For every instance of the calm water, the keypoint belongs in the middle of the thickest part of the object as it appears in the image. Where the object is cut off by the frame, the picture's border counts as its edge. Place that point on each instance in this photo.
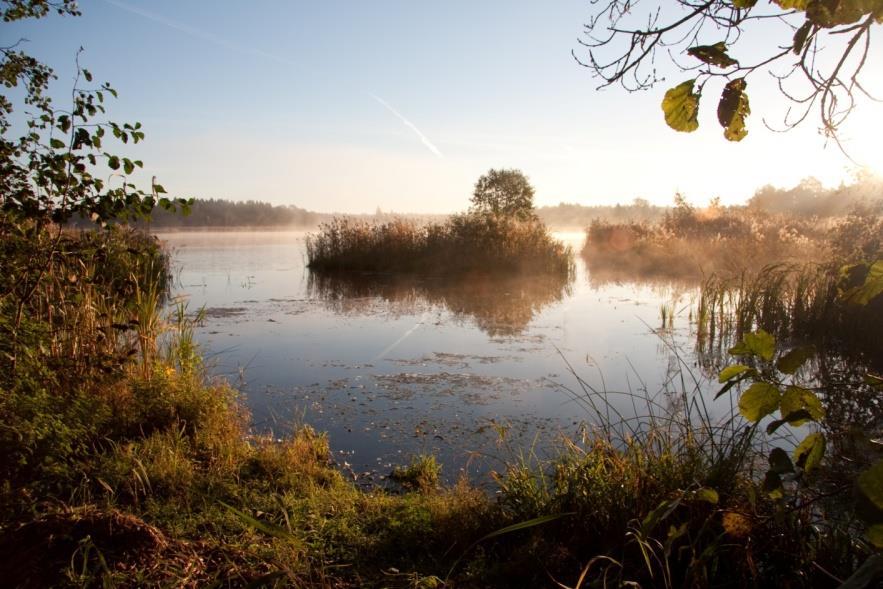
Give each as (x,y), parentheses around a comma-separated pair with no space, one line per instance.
(471,371)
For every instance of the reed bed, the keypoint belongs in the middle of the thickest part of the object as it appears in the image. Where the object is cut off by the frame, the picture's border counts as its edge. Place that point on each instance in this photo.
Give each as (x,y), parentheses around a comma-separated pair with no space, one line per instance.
(800,303)
(469,243)
(689,243)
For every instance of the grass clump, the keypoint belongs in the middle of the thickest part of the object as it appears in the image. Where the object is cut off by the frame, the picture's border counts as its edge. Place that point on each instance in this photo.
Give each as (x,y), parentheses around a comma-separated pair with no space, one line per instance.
(422,474)
(467,243)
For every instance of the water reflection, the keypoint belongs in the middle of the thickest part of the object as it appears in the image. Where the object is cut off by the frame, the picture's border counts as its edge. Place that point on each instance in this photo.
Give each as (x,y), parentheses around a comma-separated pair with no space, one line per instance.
(498,305)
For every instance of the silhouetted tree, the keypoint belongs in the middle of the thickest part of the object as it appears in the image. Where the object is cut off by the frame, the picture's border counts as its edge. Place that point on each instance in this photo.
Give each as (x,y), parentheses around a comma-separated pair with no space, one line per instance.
(504,192)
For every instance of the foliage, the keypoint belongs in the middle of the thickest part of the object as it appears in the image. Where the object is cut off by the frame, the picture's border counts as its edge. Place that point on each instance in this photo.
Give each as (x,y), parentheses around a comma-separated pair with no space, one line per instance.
(54,169)
(690,242)
(504,192)
(470,243)
(823,45)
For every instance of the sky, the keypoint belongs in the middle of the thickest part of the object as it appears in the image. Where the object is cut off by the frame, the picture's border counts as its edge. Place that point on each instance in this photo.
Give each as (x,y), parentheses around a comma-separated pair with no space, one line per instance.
(350,106)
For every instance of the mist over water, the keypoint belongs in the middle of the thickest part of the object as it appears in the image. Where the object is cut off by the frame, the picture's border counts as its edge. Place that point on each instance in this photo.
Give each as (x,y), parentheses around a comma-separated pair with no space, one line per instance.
(470,370)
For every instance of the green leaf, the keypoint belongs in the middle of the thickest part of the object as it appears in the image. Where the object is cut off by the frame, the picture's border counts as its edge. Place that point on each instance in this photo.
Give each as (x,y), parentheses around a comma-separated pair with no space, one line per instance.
(56,143)
(662,511)
(681,107)
(793,360)
(792,4)
(758,401)
(875,535)
(733,109)
(808,455)
(760,344)
(713,54)
(870,483)
(128,165)
(794,418)
(113,162)
(871,288)
(265,527)
(157,188)
(732,371)
(779,462)
(744,3)
(797,399)
(708,495)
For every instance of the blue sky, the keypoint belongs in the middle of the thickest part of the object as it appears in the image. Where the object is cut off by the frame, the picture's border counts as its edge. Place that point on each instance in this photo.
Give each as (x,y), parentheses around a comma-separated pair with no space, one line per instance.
(349,106)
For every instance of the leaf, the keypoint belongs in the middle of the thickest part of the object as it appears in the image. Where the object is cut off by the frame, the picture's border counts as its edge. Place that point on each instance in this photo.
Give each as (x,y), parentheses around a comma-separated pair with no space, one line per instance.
(56,143)
(662,511)
(708,495)
(265,527)
(772,484)
(797,399)
(793,360)
(732,371)
(870,483)
(829,14)
(113,162)
(759,343)
(681,107)
(758,401)
(800,37)
(713,54)
(792,4)
(794,418)
(128,165)
(810,452)
(871,288)
(779,462)
(537,521)
(744,3)
(733,109)
(875,535)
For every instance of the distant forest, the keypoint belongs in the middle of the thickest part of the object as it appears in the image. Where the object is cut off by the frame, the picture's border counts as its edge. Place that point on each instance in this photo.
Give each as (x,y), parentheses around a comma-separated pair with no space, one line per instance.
(808,199)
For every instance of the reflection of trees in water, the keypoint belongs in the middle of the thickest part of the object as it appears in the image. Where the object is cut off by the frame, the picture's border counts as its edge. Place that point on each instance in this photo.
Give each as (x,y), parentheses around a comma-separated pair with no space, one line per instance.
(499,305)
(601,275)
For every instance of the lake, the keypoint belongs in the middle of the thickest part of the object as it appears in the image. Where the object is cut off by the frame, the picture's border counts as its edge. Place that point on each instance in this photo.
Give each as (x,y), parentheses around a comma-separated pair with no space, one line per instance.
(474,371)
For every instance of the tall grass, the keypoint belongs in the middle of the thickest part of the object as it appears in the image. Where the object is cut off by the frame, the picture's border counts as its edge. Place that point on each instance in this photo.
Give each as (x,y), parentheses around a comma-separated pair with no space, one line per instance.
(470,243)
(690,243)
(799,303)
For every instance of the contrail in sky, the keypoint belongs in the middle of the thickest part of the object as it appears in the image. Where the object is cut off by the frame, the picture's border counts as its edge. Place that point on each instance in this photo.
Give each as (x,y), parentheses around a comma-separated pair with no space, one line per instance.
(214,39)
(199,34)
(423,138)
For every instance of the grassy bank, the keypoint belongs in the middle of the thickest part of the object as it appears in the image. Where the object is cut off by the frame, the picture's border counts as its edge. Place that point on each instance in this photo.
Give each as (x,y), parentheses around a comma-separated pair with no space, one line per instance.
(124,465)
(693,243)
(469,243)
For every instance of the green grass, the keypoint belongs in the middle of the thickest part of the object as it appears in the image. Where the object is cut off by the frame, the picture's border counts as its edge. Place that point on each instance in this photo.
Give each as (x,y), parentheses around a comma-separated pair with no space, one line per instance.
(470,243)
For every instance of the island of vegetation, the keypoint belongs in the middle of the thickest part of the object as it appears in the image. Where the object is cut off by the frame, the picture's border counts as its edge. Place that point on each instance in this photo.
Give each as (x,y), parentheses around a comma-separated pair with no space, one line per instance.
(124,464)
(500,233)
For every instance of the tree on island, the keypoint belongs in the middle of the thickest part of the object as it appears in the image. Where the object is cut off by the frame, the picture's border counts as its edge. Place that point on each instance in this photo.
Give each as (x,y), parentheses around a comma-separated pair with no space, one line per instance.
(505,193)
(823,46)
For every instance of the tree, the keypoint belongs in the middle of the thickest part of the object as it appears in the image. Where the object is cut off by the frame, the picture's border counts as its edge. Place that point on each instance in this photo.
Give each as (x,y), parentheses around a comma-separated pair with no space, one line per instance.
(504,192)
(58,166)
(823,45)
